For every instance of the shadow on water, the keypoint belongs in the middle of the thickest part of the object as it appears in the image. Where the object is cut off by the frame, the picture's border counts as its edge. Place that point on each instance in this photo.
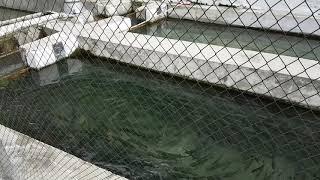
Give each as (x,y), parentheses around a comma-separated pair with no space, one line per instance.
(143,125)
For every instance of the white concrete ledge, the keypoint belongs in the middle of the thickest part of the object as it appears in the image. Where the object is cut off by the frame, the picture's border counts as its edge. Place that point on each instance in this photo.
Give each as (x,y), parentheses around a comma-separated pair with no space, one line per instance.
(46,51)
(283,77)
(8,29)
(108,7)
(36,160)
(271,20)
(24,18)
(49,50)
(105,26)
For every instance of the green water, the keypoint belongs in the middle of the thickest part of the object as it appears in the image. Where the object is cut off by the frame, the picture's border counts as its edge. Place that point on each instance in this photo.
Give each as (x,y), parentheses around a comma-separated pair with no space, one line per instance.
(248,39)
(144,125)
(6,13)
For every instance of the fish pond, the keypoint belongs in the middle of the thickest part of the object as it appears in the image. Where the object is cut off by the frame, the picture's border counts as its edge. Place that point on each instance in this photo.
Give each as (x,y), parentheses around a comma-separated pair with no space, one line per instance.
(146,125)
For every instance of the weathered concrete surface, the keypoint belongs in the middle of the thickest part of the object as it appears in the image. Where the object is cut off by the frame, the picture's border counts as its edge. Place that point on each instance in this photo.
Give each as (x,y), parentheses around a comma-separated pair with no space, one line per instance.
(76,8)
(283,77)
(29,35)
(20,37)
(33,159)
(273,20)
(48,50)
(11,28)
(109,25)
(34,5)
(108,7)
(303,7)
(53,74)
(152,11)
(19,19)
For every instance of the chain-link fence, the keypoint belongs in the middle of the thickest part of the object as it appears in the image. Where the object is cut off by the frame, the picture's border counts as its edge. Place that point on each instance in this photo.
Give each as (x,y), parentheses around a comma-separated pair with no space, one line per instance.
(150,89)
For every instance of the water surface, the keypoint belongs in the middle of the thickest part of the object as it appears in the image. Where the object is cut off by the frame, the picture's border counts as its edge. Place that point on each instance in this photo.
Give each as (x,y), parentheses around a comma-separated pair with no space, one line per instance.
(143,125)
(7,13)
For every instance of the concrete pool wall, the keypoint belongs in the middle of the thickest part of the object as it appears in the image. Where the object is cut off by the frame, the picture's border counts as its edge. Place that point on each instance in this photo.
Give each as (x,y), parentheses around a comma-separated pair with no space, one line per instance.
(293,79)
(283,77)
(253,18)
(23,157)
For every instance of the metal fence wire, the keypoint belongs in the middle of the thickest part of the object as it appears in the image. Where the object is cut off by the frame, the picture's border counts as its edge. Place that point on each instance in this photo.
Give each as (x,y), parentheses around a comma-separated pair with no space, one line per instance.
(160,89)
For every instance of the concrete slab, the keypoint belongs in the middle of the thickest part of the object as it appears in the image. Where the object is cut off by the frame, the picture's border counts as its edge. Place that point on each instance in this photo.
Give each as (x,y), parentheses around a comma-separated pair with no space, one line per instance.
(19,19)
(108,7)
(28,158)
(301,7)
(271,20)
(111,25)
(288,78)
(48,50)
(152,11)
(76,8)
(11,28)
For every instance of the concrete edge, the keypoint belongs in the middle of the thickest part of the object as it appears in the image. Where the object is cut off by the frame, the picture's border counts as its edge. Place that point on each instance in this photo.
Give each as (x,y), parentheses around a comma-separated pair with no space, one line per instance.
(166,57)
(287,65)
(254,18)
(37,160)
(4,30)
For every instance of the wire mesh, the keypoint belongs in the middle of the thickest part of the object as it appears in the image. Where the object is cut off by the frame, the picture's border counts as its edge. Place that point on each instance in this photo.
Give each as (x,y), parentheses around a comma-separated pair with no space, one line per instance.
(150,89)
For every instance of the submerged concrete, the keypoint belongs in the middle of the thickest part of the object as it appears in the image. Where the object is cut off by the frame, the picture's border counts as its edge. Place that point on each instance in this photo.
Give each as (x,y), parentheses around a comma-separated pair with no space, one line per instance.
(10,63)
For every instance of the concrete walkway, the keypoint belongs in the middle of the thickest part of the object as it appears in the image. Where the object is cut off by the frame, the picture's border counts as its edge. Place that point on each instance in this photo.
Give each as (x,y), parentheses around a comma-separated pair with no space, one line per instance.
(26,158)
